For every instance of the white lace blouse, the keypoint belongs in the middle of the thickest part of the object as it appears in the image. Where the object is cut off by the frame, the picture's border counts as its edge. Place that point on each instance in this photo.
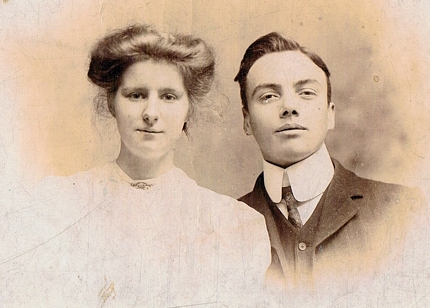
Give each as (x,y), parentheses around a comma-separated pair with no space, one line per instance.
(99,239)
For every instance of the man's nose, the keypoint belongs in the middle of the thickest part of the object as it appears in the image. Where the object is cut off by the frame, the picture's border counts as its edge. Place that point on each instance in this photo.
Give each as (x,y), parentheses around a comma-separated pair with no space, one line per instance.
(289,107)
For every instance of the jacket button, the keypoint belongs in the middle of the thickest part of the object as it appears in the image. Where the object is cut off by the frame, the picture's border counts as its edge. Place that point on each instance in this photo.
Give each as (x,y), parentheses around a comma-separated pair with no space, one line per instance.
(302,246)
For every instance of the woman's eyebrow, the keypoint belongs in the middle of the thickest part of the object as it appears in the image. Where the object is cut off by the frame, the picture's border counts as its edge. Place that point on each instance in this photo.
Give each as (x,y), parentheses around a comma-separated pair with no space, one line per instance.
(126,89)
(168,89)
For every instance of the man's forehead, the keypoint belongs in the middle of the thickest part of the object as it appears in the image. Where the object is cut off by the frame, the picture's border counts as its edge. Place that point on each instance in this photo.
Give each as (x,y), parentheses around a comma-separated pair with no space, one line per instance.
(285,65)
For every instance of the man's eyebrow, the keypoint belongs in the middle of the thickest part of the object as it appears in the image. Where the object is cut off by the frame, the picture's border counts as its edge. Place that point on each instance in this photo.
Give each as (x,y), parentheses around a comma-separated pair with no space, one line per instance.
(302,82)
(273,86)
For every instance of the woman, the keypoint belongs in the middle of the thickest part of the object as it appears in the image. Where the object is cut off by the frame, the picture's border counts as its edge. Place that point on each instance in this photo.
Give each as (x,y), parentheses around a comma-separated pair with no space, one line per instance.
(138,231)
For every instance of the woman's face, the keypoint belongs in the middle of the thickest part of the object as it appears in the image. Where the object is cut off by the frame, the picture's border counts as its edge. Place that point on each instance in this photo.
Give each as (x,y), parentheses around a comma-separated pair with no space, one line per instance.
(151,106)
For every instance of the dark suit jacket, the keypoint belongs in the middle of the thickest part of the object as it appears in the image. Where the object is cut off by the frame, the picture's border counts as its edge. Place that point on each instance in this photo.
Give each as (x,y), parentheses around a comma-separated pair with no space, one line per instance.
(357,226)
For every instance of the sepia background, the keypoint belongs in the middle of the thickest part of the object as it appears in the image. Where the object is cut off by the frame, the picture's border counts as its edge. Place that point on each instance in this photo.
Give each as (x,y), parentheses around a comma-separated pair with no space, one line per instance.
(377,52)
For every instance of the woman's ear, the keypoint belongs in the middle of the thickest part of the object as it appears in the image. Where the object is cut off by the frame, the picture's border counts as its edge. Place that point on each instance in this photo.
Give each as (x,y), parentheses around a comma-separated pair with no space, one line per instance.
(185,128)
(110,104)
(111,110)
(187,118)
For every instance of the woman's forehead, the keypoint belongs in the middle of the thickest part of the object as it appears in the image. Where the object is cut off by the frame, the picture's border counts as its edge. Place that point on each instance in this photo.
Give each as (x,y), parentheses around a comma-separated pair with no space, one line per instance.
(152,73)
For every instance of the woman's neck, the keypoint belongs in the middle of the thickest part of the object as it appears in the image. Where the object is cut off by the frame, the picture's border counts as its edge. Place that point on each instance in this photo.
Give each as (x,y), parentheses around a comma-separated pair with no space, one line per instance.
(139,168)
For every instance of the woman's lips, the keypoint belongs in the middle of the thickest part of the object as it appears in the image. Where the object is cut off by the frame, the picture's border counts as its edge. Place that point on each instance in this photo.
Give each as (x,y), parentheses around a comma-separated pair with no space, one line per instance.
(150,131)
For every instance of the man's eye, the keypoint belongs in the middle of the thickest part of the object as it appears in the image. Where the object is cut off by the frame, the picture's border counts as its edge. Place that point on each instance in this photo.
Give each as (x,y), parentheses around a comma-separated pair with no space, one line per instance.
(169,97)
(268,97)
(307,94)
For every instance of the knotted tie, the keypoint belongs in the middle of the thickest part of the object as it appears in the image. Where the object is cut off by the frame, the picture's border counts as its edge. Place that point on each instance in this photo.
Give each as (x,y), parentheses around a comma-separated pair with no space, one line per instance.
(293,213)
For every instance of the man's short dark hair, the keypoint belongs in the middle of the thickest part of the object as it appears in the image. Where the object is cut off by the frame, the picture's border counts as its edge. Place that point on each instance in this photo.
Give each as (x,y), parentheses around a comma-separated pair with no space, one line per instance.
(270,43)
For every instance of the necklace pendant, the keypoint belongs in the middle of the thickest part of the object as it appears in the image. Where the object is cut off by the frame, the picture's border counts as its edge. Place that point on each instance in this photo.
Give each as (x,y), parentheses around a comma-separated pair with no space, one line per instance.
(141,185)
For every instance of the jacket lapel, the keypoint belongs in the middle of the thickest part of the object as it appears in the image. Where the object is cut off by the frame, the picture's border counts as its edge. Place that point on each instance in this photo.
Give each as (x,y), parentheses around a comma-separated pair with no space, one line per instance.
(259,201)
(340,203)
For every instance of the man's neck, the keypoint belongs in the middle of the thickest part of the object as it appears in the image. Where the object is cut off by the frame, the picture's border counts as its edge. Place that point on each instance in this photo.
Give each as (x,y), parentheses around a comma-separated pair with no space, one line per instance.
(307,178)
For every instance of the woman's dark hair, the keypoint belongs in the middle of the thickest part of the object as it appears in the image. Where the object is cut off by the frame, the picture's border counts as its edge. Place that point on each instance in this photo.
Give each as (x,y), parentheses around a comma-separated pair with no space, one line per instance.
(114,53)
(270,43)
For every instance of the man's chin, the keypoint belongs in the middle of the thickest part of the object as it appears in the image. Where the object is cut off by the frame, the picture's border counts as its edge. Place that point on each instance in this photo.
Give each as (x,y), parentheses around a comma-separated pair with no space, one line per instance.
(288,159)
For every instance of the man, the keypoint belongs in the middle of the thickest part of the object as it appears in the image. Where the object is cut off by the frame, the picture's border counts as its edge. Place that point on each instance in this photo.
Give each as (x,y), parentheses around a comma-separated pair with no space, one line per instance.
(328,222)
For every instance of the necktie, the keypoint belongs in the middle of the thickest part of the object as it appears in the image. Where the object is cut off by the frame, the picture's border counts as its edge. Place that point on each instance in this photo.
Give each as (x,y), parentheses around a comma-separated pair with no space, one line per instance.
(293,213)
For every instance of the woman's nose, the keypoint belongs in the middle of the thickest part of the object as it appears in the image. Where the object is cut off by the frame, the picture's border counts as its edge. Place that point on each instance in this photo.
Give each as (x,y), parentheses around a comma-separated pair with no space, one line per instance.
(151,113)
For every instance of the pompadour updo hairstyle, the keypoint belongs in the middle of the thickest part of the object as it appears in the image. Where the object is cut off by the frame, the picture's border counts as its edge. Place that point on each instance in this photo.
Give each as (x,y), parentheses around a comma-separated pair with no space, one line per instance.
(117,51)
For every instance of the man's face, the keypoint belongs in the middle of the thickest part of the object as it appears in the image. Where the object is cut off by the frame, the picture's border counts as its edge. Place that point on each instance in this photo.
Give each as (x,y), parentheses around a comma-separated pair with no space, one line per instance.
(288,112)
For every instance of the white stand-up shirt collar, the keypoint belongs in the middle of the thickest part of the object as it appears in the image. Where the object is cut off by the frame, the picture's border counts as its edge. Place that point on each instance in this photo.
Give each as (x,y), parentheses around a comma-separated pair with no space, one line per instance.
(119,173)
(308,178)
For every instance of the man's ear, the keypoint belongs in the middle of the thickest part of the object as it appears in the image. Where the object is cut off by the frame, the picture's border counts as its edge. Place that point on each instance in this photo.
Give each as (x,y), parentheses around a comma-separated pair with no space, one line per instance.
(331,116)
(246,122)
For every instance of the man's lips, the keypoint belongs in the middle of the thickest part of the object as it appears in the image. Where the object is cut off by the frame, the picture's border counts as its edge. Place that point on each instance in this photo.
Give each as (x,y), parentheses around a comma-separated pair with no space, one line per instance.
(288,127)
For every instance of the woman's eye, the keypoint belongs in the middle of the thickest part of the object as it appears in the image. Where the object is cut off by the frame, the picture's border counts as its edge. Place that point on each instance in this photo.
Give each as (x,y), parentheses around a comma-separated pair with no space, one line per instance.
(169,97)
(135,96)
